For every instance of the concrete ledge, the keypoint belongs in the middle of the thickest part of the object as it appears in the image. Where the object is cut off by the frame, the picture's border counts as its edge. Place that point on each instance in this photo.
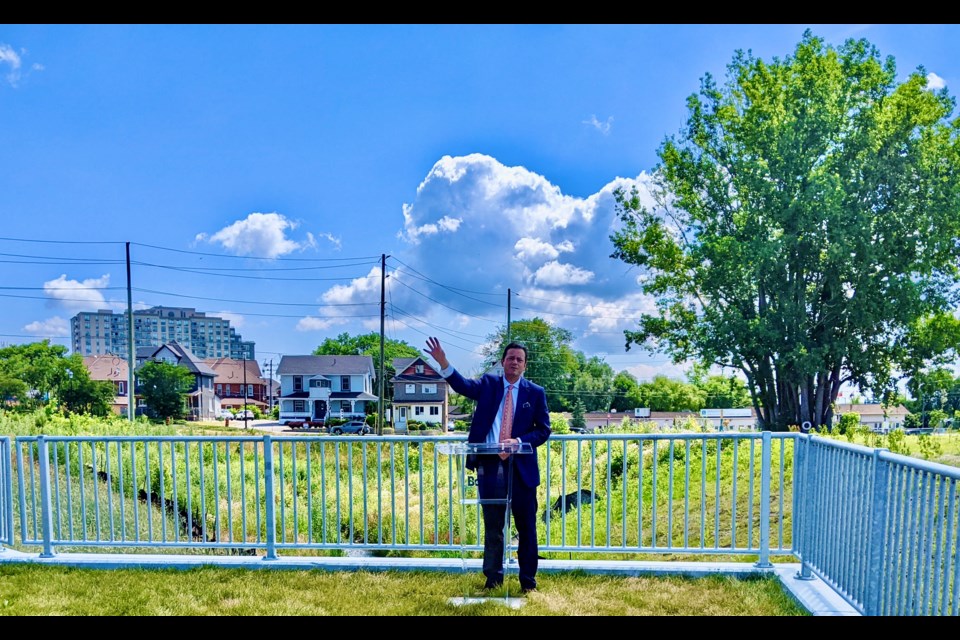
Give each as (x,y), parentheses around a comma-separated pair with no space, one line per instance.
(815,595)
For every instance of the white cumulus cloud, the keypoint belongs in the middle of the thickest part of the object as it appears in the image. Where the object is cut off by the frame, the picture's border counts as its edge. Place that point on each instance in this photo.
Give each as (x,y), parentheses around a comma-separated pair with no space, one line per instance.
(935,82)
(55,326)
(477,229)
(74,294)
(263,235)
(555,274)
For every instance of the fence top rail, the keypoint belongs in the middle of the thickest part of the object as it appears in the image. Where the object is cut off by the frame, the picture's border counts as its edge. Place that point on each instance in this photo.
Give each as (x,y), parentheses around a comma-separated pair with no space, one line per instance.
(603,437)
(140,438)
(888,456)
(821,441)
(711,435)
(922,465)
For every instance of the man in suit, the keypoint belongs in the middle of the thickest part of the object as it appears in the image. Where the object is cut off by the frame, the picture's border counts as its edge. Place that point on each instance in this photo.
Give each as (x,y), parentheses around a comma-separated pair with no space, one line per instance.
(526,420)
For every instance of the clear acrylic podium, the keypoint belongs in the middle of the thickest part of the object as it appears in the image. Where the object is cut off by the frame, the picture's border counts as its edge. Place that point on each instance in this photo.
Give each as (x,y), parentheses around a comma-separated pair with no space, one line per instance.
(466,493)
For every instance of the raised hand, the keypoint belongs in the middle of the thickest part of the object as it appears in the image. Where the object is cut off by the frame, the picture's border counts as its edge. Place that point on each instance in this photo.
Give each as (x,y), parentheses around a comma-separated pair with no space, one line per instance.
(437,352)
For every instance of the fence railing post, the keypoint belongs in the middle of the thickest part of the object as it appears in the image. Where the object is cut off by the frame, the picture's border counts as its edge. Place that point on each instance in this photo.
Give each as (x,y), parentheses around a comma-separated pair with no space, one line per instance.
(271,513)
(766,443)
(878,512)
(6,494)
(802,505)
(46,506)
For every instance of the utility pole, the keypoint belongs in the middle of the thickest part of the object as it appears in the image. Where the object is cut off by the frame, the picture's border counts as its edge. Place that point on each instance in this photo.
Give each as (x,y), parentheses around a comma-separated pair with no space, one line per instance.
(383,309)
(131,347)
(270,392)
(508,316)
(245,425)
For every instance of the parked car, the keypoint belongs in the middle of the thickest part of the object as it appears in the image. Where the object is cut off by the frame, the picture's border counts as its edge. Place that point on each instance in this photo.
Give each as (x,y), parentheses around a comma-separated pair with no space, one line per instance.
(303,423)
(246,413)
(356,427)
(225,414)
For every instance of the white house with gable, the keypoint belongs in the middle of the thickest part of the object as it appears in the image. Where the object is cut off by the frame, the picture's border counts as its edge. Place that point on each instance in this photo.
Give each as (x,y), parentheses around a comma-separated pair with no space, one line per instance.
(313,388)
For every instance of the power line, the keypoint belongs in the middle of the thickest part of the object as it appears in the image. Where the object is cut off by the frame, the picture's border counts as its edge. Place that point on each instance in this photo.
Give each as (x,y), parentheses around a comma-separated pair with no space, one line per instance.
(234,300)
(213,269)
(60,241)
(230,275)
(221,255)
(443,305)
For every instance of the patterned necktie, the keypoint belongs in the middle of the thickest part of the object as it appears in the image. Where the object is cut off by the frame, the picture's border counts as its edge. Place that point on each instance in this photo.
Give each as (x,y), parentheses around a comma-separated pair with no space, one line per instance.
(506,420)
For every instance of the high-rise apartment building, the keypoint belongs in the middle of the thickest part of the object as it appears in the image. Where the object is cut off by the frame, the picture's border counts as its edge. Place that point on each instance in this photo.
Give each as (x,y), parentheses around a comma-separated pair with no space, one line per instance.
(105,332)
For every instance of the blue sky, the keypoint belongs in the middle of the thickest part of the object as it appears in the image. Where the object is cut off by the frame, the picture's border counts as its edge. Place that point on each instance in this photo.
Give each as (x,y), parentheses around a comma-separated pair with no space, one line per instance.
(260,171)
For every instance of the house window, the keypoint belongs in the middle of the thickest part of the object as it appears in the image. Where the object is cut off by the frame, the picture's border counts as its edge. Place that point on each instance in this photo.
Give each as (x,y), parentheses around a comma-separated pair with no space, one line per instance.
(121,388)
(344,383)
(420,369)
(297,383)
(345,406)
(220,390)
(249,390)
(430,389)
(411,388)
(320,383)
(299,406)
(434,411)
(418,411)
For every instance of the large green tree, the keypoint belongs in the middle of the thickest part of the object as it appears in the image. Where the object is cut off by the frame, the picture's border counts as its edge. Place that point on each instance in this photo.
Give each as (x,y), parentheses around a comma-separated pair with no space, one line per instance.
(551,362)
(802,222)
(164,386)
(40,366)
(719,392)
(936,389)
(76,392)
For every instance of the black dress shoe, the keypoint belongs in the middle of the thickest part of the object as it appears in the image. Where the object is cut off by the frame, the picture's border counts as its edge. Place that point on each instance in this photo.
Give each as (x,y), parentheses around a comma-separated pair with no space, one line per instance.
(526,590)
(492,584)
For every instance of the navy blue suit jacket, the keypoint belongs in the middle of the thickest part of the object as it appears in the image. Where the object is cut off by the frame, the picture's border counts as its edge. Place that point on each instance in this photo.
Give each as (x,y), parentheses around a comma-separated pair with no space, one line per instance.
(531,420)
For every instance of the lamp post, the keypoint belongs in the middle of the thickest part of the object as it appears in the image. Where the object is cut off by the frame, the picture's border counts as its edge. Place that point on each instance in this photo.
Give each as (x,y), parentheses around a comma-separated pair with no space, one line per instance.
(245,391)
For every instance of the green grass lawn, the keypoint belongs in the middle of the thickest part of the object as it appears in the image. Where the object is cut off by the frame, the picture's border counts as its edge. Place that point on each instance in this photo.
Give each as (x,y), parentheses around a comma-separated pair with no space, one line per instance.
(32,590)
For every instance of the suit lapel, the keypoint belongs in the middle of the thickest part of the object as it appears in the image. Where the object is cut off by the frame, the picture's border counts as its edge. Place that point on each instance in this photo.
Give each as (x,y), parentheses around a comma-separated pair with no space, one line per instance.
(521,398)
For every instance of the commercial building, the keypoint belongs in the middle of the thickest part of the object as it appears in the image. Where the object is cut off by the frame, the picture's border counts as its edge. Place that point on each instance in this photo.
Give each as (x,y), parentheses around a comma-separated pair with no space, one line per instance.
(104,332)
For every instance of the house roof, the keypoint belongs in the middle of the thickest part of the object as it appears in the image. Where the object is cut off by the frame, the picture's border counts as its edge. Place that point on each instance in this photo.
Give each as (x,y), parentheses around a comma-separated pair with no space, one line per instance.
(326,365)
(230,371)
(400,364)
(407,373)
(871,409)
(184,356)
(106,367)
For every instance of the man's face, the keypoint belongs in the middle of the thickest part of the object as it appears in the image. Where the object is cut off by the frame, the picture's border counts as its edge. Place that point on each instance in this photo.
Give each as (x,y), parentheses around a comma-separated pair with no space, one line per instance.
(514,364)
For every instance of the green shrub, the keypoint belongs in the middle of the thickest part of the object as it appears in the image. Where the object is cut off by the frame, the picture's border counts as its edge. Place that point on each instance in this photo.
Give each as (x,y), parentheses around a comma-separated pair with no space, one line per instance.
(897,441)
(929,446)
(559,424)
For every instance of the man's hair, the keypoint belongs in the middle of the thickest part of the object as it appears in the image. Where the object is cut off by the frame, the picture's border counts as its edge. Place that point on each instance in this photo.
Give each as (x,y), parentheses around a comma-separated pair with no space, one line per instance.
(514,345)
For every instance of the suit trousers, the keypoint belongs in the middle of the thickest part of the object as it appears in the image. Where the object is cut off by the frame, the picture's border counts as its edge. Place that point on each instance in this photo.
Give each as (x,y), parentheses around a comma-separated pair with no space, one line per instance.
(492,485)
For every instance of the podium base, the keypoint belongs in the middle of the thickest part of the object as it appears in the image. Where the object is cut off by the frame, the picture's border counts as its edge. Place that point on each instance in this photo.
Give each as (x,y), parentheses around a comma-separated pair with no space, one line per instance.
(513,603)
